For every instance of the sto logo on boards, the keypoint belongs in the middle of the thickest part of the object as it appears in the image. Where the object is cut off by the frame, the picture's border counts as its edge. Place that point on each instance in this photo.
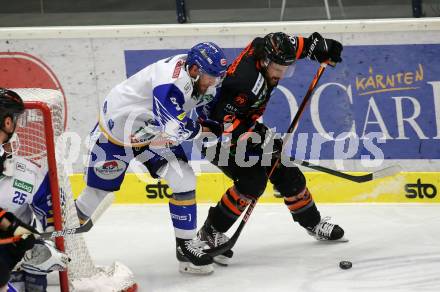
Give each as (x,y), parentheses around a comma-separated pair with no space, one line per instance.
(420,190)
(158,191)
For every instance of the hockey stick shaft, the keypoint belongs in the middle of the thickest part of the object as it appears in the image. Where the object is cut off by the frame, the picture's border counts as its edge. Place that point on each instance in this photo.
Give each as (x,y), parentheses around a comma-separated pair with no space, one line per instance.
(10,240)
(53,234)
(230,244)
(104,205)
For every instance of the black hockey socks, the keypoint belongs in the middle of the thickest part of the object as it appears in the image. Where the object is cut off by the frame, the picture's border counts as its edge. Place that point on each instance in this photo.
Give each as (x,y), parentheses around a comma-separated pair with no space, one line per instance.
(303,209)
(228,210)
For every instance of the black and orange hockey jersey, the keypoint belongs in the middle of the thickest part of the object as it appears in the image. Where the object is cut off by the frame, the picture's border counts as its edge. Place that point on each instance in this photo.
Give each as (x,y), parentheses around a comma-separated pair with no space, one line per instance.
(245,92)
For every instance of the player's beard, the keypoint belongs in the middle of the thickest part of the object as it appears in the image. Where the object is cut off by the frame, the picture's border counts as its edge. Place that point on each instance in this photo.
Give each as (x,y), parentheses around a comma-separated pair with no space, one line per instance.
(271,81)
(195,92)
(199,89)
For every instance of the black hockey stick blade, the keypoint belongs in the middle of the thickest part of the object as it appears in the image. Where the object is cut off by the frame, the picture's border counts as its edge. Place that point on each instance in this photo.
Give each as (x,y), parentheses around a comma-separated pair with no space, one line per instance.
(220,249)
(388,171)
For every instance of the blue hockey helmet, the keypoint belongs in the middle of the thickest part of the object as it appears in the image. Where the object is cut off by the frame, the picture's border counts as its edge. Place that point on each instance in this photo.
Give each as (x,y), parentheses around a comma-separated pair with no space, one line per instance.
(209,57)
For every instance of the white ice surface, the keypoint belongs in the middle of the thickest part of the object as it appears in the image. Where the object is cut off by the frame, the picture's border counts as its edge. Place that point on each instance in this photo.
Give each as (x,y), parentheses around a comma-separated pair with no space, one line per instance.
(392,248)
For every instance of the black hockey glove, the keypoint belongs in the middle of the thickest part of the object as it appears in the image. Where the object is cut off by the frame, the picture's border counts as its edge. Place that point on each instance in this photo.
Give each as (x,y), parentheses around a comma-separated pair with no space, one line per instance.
(212,125)
(26,243)
(321,49)
(17,227)
(267,136)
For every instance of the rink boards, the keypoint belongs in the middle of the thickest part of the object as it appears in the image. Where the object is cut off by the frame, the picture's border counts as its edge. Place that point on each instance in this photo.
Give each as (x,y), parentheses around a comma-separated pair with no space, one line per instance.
(379,107)
(405,187)
(381,103)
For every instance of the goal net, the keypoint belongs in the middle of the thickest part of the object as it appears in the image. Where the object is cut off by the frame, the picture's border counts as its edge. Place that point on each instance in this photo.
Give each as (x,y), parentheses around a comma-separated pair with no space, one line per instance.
(40,131)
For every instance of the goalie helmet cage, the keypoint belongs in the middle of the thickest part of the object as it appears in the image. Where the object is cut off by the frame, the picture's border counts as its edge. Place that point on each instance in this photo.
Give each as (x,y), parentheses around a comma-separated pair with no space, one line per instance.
(39,131)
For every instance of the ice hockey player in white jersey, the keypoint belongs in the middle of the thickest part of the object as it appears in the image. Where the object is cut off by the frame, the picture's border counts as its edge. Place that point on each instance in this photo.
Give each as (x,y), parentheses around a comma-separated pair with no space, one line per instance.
(25,194)
(147,117)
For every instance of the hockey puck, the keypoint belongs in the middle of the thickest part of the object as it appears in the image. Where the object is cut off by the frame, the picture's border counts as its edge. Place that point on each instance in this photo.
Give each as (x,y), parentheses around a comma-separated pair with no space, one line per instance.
(345,265)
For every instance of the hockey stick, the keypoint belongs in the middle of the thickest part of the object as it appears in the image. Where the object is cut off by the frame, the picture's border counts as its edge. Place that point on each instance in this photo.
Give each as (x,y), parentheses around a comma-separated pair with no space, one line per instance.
(70,231)
(387,171)
(218,250)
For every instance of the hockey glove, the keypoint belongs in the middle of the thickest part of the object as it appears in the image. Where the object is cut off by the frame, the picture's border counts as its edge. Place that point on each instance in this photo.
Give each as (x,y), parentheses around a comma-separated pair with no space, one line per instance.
(17,227)
(321,49)
(44,258)
(267,136)
(214,126)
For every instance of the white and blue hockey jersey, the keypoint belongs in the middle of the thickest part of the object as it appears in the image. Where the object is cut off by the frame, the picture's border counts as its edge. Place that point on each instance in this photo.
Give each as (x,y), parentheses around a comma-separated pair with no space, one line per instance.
(156,101)
(27,192)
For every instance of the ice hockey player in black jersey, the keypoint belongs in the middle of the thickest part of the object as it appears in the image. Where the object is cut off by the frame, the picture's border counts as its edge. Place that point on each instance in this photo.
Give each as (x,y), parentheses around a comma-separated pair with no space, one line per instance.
(243,97)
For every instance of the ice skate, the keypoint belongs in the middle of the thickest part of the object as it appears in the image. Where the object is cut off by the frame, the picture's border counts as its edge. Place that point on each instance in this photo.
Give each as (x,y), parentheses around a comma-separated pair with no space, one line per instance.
(215,238)
(191,257)
(325,231)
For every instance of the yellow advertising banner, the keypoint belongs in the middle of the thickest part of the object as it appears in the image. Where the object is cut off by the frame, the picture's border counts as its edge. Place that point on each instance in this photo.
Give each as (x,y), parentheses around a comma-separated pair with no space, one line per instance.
(405,187)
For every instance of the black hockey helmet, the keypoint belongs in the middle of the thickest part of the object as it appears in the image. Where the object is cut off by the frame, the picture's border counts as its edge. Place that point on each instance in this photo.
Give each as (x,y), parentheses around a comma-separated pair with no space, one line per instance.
(280,48)
(11,105)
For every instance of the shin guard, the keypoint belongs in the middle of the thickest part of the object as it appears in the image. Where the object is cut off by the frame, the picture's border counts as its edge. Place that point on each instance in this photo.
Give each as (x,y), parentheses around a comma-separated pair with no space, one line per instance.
(183,211)
(227,211)
(303,209)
